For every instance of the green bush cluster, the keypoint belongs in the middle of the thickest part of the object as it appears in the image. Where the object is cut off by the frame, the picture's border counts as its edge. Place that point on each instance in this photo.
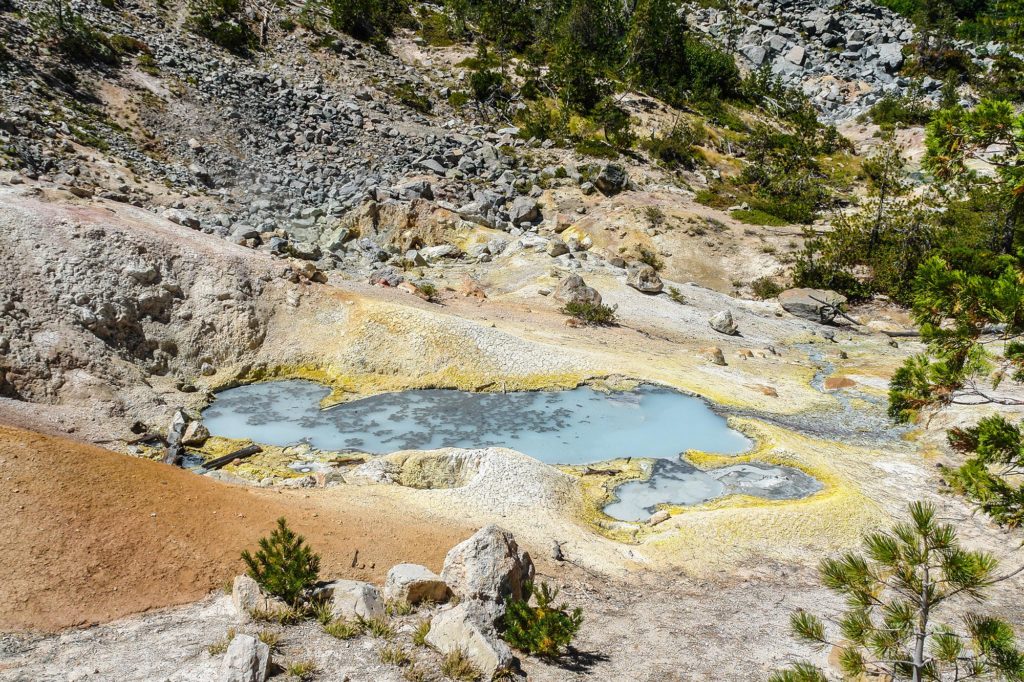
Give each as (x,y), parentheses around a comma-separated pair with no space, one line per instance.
(591,313)
(222,22)
(284,565)
(541,629)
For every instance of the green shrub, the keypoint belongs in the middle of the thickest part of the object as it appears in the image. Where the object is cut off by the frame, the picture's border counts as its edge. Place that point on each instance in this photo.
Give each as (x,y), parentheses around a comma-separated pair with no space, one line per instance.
(392,654)
(675,147)
(123,44)
(74,37)
(893,111)
(369,20)
(419,635)
(649,257)
(591,313)
(377,627)
(411,97)
(542,629)
(757,217)
(765,288)
(221,645)
(599,149)
(615,123)
(284,565)
(223,23)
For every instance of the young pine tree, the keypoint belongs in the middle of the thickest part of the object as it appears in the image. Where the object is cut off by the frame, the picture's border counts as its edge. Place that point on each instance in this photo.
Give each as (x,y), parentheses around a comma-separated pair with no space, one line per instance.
(997,460)
(284,565)
(542,629)
(896,594)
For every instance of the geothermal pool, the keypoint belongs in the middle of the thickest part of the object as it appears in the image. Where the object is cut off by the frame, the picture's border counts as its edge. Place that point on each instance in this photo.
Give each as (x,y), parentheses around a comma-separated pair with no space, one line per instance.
(579,426)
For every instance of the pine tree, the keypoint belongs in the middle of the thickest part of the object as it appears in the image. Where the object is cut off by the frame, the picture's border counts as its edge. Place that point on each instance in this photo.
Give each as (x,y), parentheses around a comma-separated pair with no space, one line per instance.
(542,630)
(284,566)
(896,593)
(997,449)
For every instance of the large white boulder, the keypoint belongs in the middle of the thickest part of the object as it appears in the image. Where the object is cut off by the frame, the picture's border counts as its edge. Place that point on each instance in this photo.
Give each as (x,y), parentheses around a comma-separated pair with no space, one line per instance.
(413,583)
(247,660)
(462,628)
(351,599)
(488,567)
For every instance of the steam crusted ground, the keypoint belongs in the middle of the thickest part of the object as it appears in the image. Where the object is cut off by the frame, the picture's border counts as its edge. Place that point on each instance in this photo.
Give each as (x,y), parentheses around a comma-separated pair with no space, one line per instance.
(704,595)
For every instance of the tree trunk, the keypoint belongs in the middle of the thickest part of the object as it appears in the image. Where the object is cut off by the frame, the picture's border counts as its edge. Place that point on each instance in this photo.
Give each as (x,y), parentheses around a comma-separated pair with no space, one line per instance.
(921,633)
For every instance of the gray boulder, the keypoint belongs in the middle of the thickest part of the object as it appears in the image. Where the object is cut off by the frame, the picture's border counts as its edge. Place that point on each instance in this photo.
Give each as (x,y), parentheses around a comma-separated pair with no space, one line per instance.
(573,289)
(723,323)
(612,179)
(816,305)
(247,660)
(523,210)
(413,583)
(643,277)
(464,628)
(352,599)
(488,567)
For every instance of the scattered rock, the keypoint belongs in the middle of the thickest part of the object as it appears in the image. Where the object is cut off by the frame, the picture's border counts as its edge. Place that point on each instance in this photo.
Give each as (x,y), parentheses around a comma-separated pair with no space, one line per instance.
(658,517)
(816,305)
(573,289)
(643,277)
(247,660)
(723,323)
(469,287)
(523,210)
(195,434)
(715,355)
(413,583)
(556,248)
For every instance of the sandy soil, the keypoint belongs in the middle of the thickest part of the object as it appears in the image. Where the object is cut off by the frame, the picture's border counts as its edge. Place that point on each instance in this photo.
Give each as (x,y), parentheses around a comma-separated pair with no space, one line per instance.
(88,535)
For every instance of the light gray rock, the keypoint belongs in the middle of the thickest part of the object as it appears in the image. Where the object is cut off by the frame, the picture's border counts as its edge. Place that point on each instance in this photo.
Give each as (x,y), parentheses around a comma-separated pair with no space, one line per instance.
(523,210)
(464,628)
(488,567)
(413,583)
(556,248)
(247,597)
(643,277)
(723,323)
(195,434)
(247,660)
(573,289)
(351,599)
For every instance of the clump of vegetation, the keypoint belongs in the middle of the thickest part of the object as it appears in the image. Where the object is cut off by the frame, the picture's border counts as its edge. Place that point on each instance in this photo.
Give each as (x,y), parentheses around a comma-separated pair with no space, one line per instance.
(221,645)
(456,666)
(222,22)
(897,112)
(676,295)
(377,627)
(372,21)
(393,654)
(895,593)
(284,565)
(754,216)
(429,290)
(342,629)
(590,313)
(395,607)
(419,635)
(270,638)
(541,629)
(655,217)
(408,95)
(75,37)
(649,257)
(765,288)
(302,670)
(280,616)
(676,147)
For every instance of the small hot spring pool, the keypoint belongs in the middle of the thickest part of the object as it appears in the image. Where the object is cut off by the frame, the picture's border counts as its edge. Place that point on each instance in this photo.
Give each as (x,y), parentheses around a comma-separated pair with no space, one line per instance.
(580,426)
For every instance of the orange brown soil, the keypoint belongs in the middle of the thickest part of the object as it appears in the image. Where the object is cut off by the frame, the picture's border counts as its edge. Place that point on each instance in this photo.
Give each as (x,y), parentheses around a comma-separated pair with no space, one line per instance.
(88,535)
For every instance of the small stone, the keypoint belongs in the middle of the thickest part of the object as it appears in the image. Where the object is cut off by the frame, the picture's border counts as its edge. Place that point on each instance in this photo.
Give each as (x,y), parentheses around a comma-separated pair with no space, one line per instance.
(247,660)
(658,517)
(723,323)
(714,355)
(412,583)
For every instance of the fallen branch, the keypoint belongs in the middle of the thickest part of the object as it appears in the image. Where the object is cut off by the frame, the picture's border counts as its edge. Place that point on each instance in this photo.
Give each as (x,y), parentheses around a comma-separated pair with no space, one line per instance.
(247,451)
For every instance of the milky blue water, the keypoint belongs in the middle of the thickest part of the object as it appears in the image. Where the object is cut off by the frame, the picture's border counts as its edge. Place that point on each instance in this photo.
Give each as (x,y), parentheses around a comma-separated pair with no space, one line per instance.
(559,427)
(579,426)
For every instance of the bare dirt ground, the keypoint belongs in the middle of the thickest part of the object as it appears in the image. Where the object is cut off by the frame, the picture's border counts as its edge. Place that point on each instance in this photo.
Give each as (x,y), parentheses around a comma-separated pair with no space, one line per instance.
(88,535)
